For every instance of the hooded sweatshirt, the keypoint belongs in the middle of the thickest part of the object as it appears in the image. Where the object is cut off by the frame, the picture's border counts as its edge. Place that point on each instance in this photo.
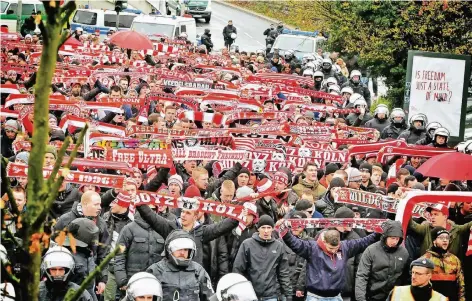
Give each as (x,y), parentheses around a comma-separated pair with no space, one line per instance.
(381,267)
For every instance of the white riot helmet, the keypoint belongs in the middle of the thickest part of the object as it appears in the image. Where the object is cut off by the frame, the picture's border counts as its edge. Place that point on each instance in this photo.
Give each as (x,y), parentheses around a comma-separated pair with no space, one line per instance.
(180,240)
(354,97)
(235,287)
(143,284)
(347,90)
(397,112)
(183,36)
(355,76)
(326,64)
(227,77)
(289,54)
(234,36)
(334,88)
(307,58)
(58,257)
(260,52)
(308,73)
(441,132)
(419,117)
(310,65)
(318,76)
(382,109)
(431,127)
(465,147)
(331,81)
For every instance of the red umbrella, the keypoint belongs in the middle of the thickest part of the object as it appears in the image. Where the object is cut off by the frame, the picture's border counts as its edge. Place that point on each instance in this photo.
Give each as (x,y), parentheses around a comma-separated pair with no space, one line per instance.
(131,40)
(71,41)
(450,166)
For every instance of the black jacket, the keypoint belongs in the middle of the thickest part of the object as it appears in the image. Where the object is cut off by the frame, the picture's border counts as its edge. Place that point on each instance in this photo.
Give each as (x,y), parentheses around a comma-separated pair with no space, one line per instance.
(144,247)
(360,89)
(215,256)
(202,233)
(381,268)
(412,136)
(233,242)
(48,293)
(206,40)
(377,124)
(265,265)
(392,131)
(228,30)
(268,208)
(102,250)
(6,145)
(297,266)
(64,201)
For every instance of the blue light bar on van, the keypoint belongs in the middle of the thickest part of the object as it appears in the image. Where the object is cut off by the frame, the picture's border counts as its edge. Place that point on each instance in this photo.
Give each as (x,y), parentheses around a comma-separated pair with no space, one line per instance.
(313,34)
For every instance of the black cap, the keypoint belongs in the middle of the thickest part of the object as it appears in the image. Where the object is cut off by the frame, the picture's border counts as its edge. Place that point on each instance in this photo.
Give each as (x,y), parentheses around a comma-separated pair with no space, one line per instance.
(298,215)
(422,262)
(393,188)
(438,231)
(337,182)
(265,220)
(84,231)
(303,205)
(419,176)
(331,168)
(344,212)
(365,166)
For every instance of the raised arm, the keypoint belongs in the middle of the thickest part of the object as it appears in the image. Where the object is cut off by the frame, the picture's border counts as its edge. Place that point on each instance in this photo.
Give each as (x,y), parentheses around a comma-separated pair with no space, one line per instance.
(299,246)
(159,224)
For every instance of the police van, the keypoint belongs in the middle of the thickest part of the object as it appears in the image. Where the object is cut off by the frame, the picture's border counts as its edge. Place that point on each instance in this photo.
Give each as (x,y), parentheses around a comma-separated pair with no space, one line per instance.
(169,26)
(92,19)
(303,42)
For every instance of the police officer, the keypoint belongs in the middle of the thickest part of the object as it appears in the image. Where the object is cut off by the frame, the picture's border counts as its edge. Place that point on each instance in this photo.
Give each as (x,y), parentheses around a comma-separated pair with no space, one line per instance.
(228,32)
(234,287)
(420,288)
(355,83)
(182,278)
(206,40)
(58,265)
(397,125)
(143,286)
(417,129)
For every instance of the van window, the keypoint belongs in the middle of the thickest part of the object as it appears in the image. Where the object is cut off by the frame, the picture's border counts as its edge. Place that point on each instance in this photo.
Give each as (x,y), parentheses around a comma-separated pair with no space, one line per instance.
(177,32)
(85,17)
(27,9)
(154,28)
(40,7)
(125,20)
(183,28)
(3,6)
(13,8)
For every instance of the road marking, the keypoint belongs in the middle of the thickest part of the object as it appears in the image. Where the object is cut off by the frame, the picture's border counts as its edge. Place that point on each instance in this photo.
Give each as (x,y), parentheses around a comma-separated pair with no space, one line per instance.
(260,43)
(248,35)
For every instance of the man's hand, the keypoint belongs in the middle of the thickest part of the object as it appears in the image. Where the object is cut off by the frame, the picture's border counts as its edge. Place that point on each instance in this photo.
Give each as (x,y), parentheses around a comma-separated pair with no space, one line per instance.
(100,288)
(123,288)
(299,294)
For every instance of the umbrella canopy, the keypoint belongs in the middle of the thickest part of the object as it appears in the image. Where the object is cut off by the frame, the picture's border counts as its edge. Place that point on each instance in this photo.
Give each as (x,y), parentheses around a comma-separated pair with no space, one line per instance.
(71,41)
(450,166)
(131,40)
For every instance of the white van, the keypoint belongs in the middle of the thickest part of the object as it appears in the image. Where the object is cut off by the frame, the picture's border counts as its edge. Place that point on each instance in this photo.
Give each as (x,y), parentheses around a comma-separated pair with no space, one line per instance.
(170,26)
(92,19)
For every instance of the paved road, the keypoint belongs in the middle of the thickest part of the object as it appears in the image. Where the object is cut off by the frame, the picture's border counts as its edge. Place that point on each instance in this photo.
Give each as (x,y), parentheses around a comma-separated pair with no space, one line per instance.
(250,28)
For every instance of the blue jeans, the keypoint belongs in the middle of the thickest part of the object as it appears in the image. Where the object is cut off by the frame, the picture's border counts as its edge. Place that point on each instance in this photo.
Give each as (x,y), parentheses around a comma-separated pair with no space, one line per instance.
(319,298)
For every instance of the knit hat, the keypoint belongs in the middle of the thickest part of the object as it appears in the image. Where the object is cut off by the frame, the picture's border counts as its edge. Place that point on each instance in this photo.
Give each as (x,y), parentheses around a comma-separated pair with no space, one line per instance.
(410,168)
(265,185)
(136,171)
(123,199)
(298,215)
(244,170)
(418,186)
(281,177)
(419,176)
(51,150)
(265,220)
(131,181)
(244,191)
(344,212)
(176,179)
(288,172)
(81,188)
(365,167)
(331,168)
(23,156)
(438,231)
(353,175)
(11,125)
(151,172)
(192,192)
(52,116)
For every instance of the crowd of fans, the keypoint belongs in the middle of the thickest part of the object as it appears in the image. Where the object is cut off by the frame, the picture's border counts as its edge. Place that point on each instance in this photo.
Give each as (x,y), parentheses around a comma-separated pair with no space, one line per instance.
(277,106)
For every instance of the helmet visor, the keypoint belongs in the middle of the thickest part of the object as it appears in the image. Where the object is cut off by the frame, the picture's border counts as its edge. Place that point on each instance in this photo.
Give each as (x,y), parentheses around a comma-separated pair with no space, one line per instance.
(181,244)
(242,291)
